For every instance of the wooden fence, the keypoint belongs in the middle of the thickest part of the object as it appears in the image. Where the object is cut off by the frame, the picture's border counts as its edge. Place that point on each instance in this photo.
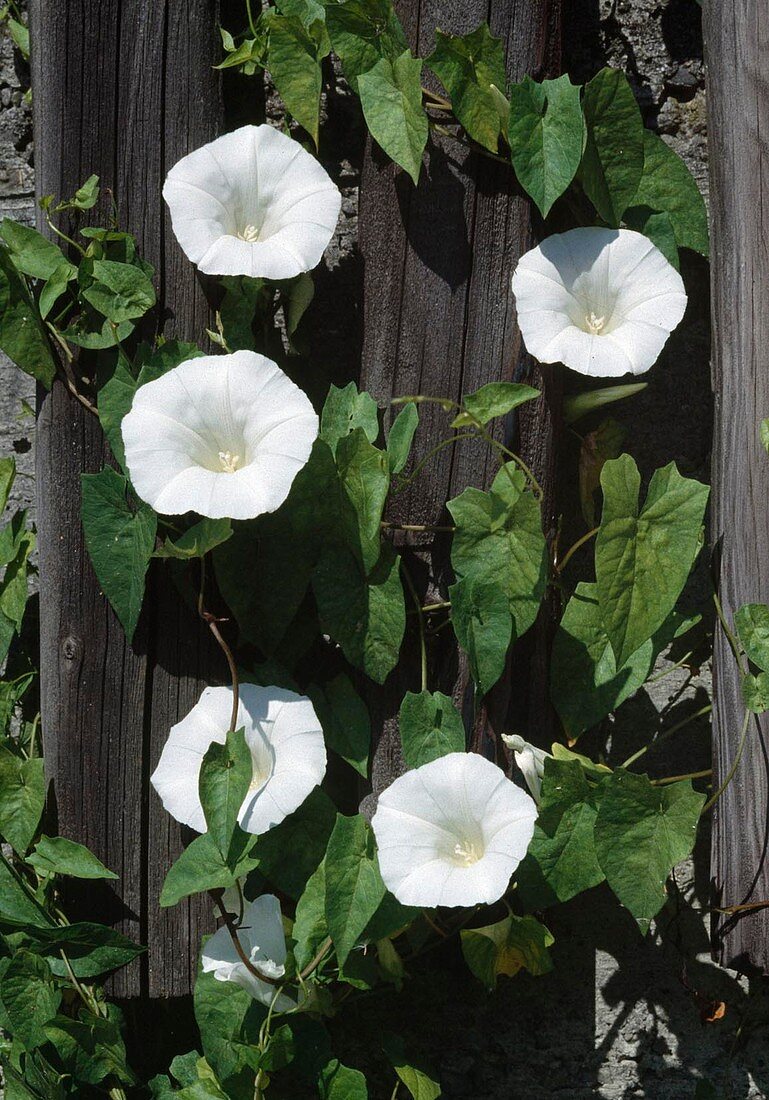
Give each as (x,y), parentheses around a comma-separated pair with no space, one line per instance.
(124,88)
(737,43)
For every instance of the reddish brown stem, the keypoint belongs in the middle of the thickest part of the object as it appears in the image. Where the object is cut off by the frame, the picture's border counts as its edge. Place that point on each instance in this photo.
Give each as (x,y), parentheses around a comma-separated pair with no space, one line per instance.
(213,625)
(229,924)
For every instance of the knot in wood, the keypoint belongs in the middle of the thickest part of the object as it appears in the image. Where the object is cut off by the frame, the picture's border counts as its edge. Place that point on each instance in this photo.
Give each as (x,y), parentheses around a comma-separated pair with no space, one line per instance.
(71,647)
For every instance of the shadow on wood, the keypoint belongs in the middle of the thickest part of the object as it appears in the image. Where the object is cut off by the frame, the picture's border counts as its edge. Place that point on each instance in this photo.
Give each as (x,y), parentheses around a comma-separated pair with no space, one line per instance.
(439,319)
(121,89)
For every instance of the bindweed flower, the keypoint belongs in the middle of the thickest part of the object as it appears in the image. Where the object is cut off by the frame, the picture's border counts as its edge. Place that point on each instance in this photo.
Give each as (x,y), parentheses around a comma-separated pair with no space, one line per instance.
(601,301)
(221,435)
(253,202)
(452,832)
(287,749)
(264,944)
(530,760)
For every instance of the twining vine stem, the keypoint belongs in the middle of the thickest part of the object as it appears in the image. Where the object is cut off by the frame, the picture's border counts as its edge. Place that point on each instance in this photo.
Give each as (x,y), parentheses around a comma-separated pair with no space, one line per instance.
(217,895)
(317,959)
(213,625)
(479,432)
(431,454)
(69,376)
(420,621)
(421,528)
(735,764)
(666,734)
(561,565)
(729,634)
(704,774)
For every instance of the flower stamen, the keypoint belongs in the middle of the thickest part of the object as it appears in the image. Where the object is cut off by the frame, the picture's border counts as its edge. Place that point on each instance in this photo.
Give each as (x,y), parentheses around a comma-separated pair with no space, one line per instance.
(230,462)
(466,854)
(258,780)
(249,234)
(594,324)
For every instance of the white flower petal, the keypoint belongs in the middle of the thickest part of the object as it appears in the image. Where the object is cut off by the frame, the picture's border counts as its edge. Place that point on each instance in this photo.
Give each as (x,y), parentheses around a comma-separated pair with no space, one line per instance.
(263,942)
(287,748)
(287,742)
(220,435)
(252,202)
(530,759)
(176,777)
(452,832)
(601,301)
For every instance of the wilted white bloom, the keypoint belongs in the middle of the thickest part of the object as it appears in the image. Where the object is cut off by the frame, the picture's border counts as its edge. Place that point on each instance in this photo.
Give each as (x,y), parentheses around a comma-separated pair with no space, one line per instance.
(221,435)
(452,832)
(530,760)
(287,749)
(601,301)
(253,202)
(264,944)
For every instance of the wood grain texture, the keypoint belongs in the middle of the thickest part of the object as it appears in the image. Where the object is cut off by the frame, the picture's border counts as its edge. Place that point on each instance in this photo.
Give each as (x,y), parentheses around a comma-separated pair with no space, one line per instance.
(737,43)
(122,88)
(439,318)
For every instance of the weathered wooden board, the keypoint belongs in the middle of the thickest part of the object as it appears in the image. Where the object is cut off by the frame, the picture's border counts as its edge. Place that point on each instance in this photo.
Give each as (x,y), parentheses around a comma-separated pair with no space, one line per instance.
(122,88)
(737,44)
(439,318)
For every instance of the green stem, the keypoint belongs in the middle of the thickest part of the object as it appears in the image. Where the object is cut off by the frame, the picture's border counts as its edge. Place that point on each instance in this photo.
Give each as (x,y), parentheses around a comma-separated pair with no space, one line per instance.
(735,764)
(431,454)
(420,621)
(666,734)
(667,671)
(323,950)
(436,606)
(503,450)
(251,24)
(438,101)
(69,375)
(33,737)
(394,1092)
(472,146)
(63,236)
(85,994)
(261,1080)
(561,565)
(446,403)
(419,527)
(677,778)
(88,999)
(735,647)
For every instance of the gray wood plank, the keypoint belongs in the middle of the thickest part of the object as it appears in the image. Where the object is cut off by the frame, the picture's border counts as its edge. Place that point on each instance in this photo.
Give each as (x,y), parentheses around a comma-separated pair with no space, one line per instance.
(737,44)
(122,89)
(439,319)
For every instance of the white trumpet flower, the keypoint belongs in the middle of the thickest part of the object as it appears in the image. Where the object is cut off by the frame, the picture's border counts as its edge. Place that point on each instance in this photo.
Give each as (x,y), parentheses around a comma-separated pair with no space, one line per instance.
(287,750)
(601,301)
(530,760)
(252,202)
(220,435)
(264,944)
(452,832)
